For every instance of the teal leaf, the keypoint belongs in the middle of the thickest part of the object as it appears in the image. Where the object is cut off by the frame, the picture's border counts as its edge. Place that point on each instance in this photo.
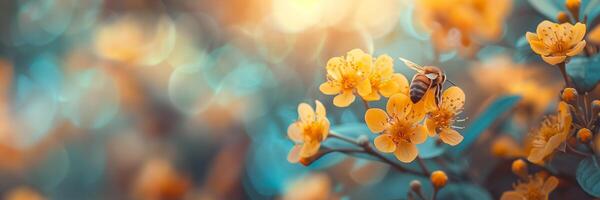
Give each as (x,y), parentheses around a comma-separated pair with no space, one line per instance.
(584,72)
(496,109)
(431,149)
(588,176)
(464,192)
(548,8)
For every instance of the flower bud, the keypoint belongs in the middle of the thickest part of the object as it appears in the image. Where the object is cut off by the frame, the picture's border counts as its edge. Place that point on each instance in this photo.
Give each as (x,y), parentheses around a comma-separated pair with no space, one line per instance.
(362,140)
(519,167)
(569,95)
(415,185)
(573,7)
(584,135)
(562,17)
(596,106)
(438,179)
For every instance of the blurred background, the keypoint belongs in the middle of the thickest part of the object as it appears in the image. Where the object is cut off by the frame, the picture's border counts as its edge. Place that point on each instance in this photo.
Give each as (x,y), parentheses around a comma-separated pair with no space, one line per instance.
(184,99)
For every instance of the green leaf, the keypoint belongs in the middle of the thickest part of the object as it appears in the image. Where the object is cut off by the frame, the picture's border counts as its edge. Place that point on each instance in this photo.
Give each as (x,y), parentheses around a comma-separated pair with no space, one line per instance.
(584,72)
(485,119)
(588,176)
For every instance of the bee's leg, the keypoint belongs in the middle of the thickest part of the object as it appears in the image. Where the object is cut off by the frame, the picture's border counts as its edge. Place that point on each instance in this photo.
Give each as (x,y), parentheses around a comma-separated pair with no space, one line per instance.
(438,94)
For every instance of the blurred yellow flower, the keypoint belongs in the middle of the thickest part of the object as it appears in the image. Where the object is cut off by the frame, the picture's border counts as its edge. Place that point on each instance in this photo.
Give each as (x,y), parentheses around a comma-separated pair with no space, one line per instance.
(345,76)
(537,187)
(308,132)
(552,133)
(470,19)
(594,35)
(555,42)
(401,128)
(442,119)
(315,186)
(384,81)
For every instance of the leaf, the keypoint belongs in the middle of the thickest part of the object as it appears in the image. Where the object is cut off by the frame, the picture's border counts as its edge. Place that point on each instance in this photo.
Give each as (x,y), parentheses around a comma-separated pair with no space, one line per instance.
(430,149)
(588,176)
(496,109)
(584,72)
(548,8)
(464,192)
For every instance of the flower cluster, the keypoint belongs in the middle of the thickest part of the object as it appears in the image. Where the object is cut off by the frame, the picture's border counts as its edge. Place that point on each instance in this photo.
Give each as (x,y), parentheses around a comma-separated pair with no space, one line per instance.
(401,126)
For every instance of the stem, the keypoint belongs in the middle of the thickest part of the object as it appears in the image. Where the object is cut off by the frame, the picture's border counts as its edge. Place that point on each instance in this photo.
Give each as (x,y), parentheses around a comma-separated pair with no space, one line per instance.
(368,149)
(577,152)
(341,137)
(422,165)
(435,191)
(366,104)
(563,72)
(586,102)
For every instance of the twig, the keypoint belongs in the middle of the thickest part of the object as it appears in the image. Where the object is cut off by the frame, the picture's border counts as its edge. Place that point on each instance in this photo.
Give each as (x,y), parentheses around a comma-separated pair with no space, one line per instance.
(577,152)
(563,72)
(368,149)
(435,191)
(422,165)
(367,107)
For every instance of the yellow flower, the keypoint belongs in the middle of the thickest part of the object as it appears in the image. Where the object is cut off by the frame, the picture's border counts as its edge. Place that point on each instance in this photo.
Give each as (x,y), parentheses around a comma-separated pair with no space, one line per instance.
(384,81)
(345,76)
(442,119)
(308,132)
(538,187)
(555,42)
(400,127)
(552,133)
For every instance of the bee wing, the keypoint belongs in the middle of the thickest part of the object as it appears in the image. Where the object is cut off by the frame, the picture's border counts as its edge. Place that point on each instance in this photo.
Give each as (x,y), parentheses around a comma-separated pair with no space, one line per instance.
(431,76)
(412,65)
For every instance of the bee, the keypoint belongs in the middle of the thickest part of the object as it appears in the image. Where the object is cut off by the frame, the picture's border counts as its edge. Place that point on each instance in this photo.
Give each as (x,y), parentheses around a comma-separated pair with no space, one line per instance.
(427,78)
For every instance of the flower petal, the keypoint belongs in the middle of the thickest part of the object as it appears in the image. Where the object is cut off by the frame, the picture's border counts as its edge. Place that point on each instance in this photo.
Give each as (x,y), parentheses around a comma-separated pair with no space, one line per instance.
(578,33)
(326,126)
(451,136)
(545,32)
(374,96)
(430,127)
(384,65)
(536,44)
(309,149)
(453,99)
(330,88)
(320,109)
(419,136)
(364,87)
(344,99)
(576,49)
(549,185)
(553,143)
(294,154)
(294,132)
(553,60)
(398,105)
(536,155)
(384,143)
(512,195)
(406,152)
(334,65)
(389,88)
(376,119)
(402,83)
(306,113)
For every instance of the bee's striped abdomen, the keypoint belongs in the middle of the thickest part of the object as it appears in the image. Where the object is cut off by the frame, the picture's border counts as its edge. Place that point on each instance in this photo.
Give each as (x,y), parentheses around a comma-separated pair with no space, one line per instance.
(418,86)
